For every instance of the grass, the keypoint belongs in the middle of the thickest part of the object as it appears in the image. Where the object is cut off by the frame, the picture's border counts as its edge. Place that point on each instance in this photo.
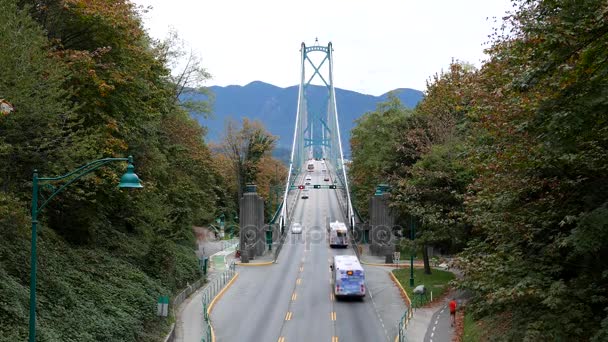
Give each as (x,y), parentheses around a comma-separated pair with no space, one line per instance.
(437,282)
(472,331)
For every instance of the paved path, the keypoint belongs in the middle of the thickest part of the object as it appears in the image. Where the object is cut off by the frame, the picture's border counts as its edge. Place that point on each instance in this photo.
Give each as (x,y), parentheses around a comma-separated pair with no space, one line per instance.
(440,329)
(189,318)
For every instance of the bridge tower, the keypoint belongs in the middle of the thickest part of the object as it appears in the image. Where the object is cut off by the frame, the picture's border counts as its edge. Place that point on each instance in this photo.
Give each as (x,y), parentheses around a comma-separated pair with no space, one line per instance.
(317,129)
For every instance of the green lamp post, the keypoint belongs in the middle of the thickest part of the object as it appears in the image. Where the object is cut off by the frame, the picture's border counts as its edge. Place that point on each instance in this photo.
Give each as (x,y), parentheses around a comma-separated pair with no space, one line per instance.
(412,237)
(128,180)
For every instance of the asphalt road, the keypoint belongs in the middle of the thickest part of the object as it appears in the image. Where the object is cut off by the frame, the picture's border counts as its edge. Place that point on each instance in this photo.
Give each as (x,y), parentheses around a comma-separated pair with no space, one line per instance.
(292,299)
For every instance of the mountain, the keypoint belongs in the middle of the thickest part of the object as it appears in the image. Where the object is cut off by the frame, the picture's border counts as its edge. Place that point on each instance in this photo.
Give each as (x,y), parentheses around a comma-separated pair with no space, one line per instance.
(275,107)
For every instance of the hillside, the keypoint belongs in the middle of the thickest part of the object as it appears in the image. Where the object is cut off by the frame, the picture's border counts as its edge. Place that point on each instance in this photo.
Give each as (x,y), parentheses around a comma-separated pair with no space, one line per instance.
(276,107)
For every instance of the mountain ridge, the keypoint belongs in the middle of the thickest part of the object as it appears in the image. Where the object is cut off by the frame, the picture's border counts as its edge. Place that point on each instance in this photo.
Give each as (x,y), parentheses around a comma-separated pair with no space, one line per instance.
(275,107)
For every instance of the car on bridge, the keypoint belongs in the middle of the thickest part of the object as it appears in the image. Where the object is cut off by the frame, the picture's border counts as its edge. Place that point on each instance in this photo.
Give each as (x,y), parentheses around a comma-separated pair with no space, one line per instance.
(296,228)
(305,194)
(326,179)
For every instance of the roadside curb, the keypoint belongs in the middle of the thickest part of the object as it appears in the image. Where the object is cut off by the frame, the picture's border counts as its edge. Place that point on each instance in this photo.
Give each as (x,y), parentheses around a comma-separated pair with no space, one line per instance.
(256,263)
(215,299)
(404,296)
(398,266)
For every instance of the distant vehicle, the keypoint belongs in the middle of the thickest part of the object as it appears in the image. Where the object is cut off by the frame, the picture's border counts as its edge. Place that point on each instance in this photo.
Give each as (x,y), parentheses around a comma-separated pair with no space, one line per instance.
(308,178)
(296,228)
(323,170)
(338,234)
(326,179)
(311,166)
(305,194)
(348,277)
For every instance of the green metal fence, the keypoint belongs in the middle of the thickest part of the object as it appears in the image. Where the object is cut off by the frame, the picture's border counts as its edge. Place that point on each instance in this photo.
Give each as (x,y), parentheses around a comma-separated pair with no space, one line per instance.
(403,325)
(209,292)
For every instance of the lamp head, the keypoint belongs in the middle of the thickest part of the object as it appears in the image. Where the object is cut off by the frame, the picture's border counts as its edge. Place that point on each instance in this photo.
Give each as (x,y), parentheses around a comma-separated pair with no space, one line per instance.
(130,179)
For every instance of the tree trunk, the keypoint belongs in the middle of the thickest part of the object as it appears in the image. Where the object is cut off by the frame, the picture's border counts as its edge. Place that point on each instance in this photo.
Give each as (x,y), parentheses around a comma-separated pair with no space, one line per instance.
(425,258)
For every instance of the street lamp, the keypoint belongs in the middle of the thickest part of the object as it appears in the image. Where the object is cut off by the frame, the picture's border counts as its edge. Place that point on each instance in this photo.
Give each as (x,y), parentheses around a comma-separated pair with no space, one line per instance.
(413,251)
(128,180)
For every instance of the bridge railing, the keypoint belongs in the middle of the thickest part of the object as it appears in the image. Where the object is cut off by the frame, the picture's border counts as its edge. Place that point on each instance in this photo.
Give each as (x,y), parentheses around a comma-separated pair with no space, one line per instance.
(210,291)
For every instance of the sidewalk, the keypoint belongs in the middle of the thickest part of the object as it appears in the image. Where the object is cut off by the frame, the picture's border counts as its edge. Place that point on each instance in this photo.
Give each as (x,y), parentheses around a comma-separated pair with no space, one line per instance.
(367,258)
(262,260)
(189,315)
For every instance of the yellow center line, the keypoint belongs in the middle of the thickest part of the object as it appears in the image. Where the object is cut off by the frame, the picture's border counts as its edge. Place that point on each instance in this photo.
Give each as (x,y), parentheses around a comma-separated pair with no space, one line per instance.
(333,315)
(299,281)
(301,268)
(331,297)
(294,296)
(288,316)
(282,339)
(333,339)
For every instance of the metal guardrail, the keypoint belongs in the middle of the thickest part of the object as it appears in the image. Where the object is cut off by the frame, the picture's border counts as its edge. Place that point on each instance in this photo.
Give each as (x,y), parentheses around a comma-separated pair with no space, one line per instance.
(209,292)
(403,326)
(180,297)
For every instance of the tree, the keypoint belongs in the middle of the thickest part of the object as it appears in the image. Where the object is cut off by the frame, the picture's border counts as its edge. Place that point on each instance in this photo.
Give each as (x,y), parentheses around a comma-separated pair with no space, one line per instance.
(538,203)
(191,77)
(245,147)
(373,145)
(42,120)
(434,194)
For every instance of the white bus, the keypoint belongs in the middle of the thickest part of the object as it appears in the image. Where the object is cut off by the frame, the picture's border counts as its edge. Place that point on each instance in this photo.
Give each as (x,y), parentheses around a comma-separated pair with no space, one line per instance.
(348,277)
(338,234)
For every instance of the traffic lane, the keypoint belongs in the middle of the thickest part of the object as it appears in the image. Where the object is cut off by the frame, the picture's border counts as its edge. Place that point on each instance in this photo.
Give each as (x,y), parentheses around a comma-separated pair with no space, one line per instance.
(312,299)
(356,320)
(312,306)
(258,298)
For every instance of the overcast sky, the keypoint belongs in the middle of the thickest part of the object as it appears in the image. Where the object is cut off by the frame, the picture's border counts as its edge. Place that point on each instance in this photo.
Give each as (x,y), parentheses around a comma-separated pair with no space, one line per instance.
(378,45)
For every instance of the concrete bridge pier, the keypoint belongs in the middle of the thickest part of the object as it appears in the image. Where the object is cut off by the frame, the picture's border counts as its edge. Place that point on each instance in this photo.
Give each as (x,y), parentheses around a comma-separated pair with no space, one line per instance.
(381,222)
(251,221)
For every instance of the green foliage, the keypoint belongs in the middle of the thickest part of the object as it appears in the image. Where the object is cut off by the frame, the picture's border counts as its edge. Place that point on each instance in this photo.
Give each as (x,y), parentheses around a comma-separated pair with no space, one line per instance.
(471,332)
(513,158)
(32,80)
(541,150)
(87,83)
(245,146)
(372,144)
(434,194)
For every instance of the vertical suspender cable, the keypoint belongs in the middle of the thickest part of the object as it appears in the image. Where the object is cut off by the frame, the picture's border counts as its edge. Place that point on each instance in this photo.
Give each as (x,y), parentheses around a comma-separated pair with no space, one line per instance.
(295,136)
(350,215)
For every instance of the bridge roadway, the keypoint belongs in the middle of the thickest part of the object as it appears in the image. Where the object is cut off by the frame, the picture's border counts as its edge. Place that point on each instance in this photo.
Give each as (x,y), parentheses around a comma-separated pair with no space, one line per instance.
(292,300)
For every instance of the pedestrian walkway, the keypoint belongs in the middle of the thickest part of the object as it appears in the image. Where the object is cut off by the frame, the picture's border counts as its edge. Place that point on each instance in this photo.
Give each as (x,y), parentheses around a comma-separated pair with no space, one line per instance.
(189,315)
(368,258)
(218,261)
